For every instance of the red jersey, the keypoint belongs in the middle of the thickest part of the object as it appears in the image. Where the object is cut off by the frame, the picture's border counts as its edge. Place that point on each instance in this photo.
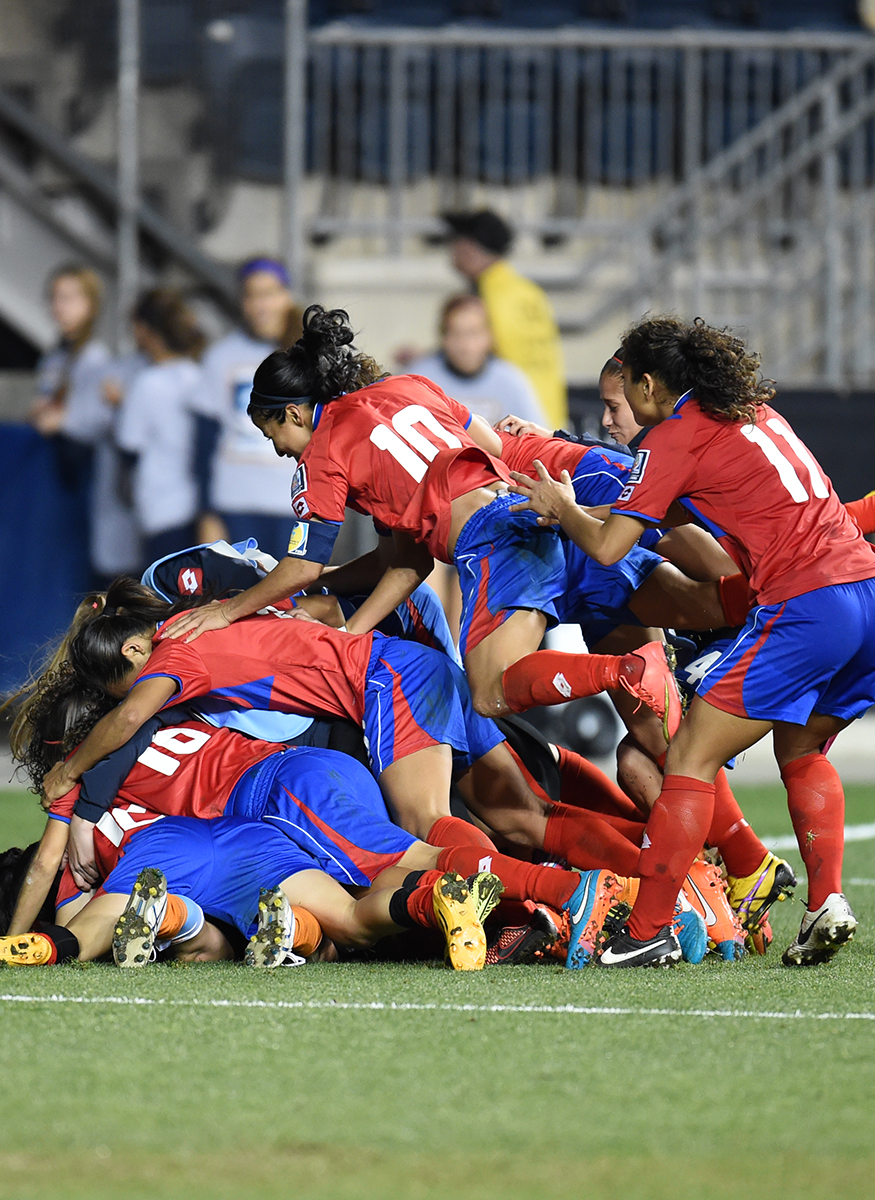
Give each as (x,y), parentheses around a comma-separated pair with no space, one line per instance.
(759,491)
(269,662)
(398,450)
(189,770)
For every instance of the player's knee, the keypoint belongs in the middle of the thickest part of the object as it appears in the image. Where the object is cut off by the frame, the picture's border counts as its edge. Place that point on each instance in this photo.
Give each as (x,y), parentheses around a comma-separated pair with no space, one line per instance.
(489,701)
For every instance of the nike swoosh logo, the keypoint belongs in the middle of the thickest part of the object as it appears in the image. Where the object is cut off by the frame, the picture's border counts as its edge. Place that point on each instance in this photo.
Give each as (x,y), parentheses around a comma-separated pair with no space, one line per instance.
(582,906)
(609,957)
(801,937)
(710,915)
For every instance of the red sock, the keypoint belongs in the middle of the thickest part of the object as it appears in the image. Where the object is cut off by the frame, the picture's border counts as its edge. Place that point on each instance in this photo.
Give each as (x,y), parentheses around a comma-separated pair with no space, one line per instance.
(554,677)
(453,831)
(817,808)
(675,834)
(587,841)
(585,786)
(740,848)
(420,902)
(522,881)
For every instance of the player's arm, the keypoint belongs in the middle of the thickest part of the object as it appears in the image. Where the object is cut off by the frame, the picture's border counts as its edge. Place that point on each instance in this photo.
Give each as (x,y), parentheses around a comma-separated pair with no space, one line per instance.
(695,552)
(111,732)
(484,435)
(40,876)
(863,512)
(519,427)
(407,564)
(100,786)
(554,501)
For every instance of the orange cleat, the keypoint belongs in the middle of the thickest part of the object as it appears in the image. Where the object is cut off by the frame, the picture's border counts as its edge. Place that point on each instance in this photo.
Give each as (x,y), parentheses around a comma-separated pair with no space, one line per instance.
(26,950)
(457,917)
(647,675)
(705,892)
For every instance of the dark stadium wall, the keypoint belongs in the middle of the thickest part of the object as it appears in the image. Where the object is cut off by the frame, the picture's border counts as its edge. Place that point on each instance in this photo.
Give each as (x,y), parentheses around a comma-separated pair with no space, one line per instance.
(838,428)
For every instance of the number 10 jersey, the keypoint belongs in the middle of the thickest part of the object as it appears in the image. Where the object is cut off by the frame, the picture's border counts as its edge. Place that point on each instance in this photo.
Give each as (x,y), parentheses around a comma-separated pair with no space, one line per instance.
(398,450)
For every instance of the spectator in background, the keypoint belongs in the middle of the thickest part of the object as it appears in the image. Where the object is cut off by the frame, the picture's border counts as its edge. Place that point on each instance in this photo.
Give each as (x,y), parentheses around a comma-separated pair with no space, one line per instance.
(246,488)
(156,425)
(467,369)
(524,330)
(71,408)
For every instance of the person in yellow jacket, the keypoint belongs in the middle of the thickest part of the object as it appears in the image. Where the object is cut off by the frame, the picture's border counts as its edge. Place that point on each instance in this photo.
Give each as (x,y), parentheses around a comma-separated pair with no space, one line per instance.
(523,327)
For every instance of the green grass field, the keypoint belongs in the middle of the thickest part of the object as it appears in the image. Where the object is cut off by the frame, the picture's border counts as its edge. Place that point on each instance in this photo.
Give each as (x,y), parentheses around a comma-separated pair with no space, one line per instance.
(358,1082)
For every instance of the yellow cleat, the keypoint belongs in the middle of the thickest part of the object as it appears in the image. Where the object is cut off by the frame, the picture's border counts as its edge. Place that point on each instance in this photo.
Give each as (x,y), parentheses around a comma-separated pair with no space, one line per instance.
(26,950)
(753,896)
(457,916)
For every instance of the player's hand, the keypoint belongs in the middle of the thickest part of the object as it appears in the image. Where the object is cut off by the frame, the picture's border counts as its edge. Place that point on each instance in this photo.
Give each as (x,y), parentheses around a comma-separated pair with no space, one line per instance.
(80,851)
(519,427)
(548,497)
(58,782)
(199,620)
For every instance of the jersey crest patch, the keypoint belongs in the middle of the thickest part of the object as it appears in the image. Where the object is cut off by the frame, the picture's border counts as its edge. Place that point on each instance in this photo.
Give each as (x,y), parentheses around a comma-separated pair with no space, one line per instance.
(300,507)
(299,539)
(299,481)
(639,467)
(190,581)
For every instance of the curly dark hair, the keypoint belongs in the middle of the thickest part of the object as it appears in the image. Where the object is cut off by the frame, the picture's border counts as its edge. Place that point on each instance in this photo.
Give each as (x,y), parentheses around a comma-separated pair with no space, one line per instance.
(712,363)
(61,713)
(322,365)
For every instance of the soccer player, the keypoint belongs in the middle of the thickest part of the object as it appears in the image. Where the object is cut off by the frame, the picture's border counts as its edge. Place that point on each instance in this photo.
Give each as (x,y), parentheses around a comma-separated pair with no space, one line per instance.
(401,450)
(804,662)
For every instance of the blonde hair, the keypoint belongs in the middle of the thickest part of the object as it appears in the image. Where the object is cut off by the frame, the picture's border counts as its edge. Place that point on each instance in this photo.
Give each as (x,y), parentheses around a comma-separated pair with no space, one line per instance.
(92,285)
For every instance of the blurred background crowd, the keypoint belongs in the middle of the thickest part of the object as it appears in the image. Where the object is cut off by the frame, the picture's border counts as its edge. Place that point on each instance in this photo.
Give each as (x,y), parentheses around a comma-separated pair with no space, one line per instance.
(492,189)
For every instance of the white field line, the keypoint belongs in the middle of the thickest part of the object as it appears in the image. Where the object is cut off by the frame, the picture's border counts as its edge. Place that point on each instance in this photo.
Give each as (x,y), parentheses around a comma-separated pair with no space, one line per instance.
(381,1006)
(853,833)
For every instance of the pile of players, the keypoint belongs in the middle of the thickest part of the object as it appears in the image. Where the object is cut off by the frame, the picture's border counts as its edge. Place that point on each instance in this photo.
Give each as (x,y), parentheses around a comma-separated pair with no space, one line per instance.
(199,763)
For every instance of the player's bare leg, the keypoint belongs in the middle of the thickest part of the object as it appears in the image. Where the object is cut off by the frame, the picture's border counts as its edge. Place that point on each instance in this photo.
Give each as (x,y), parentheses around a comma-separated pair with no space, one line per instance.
(670,599)
(417,789)
(485,664)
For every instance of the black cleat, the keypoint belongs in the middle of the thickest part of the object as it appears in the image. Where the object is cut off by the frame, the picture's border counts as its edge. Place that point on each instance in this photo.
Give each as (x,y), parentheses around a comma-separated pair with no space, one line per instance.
(622,950)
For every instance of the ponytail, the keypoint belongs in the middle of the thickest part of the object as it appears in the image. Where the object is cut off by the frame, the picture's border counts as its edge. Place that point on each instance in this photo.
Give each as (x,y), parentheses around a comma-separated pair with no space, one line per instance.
(321,365)
(129,610)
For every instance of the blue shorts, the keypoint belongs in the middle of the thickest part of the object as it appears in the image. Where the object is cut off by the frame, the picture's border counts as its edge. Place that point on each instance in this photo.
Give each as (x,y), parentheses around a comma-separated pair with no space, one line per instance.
(330,806)
(596,597)
(221,864)
(506,561)
(813,653)
(417,697)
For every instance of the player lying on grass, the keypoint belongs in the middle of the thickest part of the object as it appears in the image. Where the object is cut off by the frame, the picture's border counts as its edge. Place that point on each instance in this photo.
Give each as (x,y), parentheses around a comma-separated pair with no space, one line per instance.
(413,702)
(325,803)
(804,662)
(401,450)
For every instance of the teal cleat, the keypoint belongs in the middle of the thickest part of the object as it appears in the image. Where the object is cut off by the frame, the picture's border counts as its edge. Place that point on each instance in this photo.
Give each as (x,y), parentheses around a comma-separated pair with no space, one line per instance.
(690,930)
(589,904)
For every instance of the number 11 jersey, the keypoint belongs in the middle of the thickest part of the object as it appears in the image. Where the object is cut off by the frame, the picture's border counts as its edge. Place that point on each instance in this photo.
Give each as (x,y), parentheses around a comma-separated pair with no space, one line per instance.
(398,450)
(758,490)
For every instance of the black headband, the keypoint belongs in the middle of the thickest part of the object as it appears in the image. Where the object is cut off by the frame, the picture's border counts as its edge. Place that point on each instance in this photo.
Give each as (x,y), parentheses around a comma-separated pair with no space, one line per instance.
(277,401)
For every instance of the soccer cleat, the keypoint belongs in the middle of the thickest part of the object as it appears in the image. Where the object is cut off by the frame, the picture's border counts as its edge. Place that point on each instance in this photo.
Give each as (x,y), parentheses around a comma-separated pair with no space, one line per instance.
(485,891)
(133,938)
(654,685)
(757,941)
(457,917)
(273,943)
(622,950)
(751,897)
(689,928)
(26,950)
(518,944)
(704,890)
(587,908)
(822,933)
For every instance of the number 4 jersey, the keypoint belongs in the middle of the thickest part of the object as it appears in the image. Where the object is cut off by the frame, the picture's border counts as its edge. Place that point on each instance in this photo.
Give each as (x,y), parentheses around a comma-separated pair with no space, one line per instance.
(758,490)
(397,450)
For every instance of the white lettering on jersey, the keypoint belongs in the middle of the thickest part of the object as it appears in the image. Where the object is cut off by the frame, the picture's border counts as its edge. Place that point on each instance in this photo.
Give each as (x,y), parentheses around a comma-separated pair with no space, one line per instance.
(411,450)
(179,741)
(119,821)
(786,470)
